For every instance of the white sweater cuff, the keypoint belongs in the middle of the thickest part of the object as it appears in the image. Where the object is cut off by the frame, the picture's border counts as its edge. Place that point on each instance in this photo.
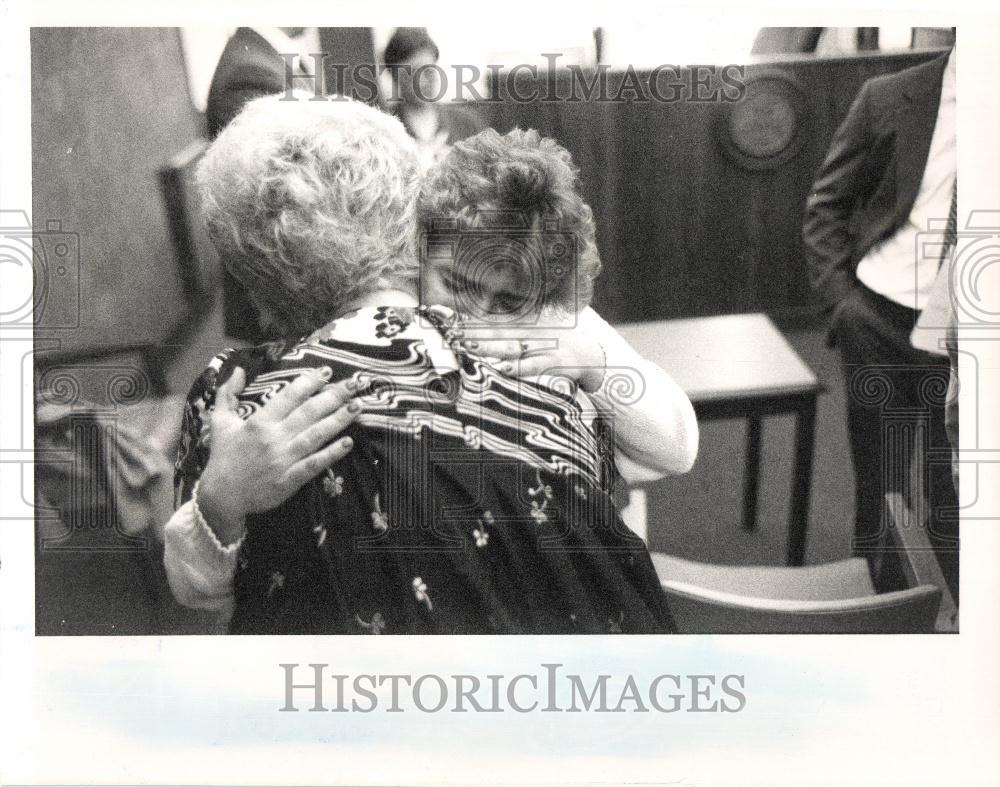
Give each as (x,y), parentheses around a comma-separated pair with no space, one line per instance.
(199,567)
(205,530)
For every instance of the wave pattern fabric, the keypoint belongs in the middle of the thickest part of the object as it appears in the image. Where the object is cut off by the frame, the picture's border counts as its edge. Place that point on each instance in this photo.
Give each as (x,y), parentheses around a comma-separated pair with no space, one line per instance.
(471,503)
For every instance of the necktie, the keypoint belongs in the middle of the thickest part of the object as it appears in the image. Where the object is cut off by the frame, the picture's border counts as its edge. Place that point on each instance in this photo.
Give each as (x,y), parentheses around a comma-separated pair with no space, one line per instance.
(951,226)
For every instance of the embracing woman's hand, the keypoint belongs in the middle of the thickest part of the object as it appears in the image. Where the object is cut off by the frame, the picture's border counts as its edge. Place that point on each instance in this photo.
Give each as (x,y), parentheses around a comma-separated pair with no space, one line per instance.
(569,352)
(258,463)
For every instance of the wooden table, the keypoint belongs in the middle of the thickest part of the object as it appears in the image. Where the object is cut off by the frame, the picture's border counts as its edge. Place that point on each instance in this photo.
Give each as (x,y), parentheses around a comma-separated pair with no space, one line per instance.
(740,365)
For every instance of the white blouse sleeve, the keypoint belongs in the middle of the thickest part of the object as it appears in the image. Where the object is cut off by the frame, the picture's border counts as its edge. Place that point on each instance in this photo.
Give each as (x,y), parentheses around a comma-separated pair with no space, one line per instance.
(656,432)
(199,568)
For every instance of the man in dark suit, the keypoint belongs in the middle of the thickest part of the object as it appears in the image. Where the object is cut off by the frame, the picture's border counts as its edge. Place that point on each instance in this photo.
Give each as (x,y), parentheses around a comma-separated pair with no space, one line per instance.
(251,66)
(890,170)
(248,68)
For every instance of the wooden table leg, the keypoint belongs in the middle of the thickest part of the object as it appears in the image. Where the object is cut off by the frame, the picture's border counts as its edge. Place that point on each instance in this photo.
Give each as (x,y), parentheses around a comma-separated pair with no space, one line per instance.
(805,438)
(751,473)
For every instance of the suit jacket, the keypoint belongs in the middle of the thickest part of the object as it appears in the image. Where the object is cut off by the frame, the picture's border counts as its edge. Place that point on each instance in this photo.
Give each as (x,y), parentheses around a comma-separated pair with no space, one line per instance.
(248,68)
(865,189)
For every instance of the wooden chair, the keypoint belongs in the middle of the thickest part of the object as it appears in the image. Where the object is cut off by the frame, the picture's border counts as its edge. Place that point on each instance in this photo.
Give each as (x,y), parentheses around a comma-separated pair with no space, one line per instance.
(832,598)
(906,556)
(838,597)
(201,271)
(915,558)
(196,258)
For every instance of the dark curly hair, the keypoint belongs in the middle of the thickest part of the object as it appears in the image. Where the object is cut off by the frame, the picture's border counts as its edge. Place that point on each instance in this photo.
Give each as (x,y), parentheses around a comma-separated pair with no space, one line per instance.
(519,173)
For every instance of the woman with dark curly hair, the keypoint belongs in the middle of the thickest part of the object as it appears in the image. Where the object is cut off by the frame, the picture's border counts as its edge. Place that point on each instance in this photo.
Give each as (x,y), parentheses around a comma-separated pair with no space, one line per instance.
(508,240)
(473,502)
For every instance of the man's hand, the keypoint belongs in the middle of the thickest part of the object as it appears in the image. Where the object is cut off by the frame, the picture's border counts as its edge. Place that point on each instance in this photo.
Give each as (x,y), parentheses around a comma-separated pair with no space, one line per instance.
(570,352)
(259,463)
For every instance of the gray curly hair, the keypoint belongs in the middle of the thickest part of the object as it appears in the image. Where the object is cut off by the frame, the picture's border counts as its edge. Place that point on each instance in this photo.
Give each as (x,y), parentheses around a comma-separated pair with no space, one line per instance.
(310,205)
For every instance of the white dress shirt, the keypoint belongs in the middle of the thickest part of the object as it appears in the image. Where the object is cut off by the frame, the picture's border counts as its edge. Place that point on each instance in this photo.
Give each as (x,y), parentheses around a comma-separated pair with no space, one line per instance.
(900,268)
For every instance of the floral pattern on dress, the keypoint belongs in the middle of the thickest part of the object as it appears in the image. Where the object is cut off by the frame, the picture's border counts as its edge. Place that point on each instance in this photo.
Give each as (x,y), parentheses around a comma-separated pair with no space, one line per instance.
(380,522)
(277,583)
(375,626)
(203,413)
(480,534)
(421,594)
(389,321)
(333,484)
(541,495)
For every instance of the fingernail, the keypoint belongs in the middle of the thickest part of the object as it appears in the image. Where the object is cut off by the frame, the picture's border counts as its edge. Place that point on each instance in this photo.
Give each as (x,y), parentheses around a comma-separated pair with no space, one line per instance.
(351,385)
(326,372)
(473,345)
(506,367)
(348,443)
(354,407)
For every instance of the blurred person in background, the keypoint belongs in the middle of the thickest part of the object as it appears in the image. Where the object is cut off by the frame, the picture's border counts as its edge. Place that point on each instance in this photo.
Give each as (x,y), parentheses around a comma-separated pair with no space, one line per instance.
(251,66)
(418,94)
(890,170)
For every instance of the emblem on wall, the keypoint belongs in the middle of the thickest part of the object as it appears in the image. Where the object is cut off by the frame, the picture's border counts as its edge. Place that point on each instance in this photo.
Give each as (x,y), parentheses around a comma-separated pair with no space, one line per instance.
(767,127)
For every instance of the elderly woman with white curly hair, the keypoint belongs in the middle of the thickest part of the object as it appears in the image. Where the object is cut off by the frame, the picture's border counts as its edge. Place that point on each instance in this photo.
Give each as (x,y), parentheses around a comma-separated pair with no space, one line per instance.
(473,501)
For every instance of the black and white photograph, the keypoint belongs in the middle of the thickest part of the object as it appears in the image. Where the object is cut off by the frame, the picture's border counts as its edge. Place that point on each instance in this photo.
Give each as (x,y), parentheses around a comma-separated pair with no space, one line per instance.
(553,325)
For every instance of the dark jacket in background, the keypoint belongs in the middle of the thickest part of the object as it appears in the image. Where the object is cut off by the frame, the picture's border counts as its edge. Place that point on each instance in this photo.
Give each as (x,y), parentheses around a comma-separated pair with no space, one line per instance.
(865,189)
(248,68)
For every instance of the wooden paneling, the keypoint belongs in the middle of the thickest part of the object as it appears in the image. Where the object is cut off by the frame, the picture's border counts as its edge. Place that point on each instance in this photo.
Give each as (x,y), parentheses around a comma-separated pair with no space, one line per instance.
(110,107)
(684,229)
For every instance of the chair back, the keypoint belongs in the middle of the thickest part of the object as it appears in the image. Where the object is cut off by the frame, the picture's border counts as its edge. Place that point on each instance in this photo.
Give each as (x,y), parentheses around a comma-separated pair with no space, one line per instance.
(698,610)
(196,258)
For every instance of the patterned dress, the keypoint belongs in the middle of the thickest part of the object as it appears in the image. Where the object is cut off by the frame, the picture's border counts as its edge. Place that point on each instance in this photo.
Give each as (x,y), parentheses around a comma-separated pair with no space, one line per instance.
(471,503)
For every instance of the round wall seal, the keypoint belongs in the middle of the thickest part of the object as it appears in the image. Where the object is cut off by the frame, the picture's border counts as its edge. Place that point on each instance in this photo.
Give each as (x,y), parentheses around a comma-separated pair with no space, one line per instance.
(766,127)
